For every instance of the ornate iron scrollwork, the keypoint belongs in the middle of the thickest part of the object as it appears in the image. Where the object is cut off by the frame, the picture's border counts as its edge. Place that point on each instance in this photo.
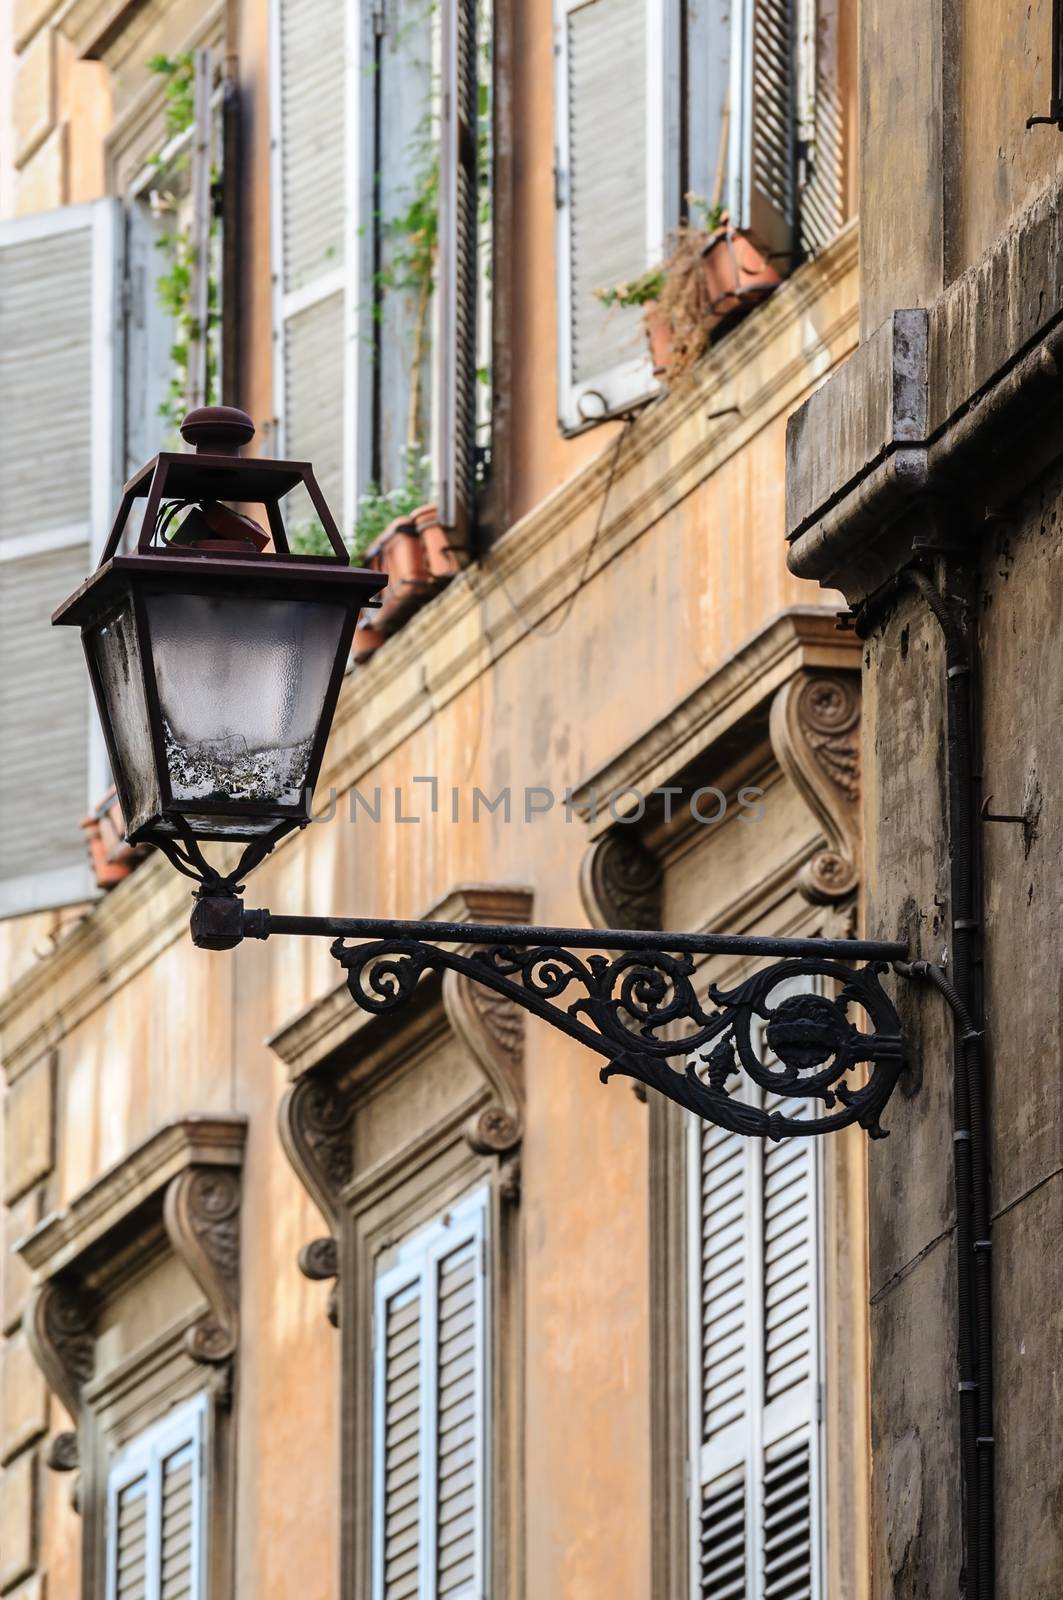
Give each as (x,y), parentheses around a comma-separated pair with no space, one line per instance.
(640,1010)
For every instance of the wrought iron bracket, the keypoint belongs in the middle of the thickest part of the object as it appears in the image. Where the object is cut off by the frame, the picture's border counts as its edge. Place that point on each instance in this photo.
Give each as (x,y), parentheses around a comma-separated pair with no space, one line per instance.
(638,1005)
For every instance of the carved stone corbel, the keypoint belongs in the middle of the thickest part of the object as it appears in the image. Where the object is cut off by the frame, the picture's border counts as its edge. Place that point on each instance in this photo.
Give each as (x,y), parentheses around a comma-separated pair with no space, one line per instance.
(316,1119)
(202,1217)
(492,1029)
(59,1324)
(815,736)
(620,882)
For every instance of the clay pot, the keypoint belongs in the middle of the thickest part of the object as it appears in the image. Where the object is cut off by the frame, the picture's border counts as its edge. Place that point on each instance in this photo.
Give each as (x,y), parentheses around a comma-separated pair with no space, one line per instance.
(659,334)
(368,638)
(400,553)
(443,559)
(738,276)
(112,858)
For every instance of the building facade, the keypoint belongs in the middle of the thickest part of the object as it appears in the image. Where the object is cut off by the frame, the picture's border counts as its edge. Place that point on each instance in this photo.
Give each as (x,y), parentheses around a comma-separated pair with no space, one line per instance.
(291,1296)
(923,479)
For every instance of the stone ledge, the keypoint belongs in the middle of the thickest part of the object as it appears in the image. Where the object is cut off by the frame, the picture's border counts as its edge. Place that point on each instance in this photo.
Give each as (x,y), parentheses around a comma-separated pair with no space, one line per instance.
(957,404)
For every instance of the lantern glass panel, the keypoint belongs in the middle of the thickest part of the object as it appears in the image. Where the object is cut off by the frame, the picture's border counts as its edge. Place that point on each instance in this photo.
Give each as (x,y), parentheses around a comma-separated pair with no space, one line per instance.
(114,649)
(241,685)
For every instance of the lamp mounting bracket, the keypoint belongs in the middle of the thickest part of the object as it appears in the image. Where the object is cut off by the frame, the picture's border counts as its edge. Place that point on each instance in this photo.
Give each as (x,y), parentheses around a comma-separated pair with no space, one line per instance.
(817,1058)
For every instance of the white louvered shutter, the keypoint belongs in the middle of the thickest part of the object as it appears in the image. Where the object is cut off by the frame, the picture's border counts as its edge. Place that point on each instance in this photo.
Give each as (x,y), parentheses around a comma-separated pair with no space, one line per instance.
(821,204)
(761,189)
(58,469)
(616,182)
(156,1512)
(455,367)
(309,123)
(430,1536)
(756,1244)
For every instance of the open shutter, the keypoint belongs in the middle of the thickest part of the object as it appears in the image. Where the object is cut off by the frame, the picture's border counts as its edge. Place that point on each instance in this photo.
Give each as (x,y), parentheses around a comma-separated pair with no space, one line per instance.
(820,127)
(756,1522)
(430,1413)
(58,325)
(156,1512)
(309,198)
(763,125)
(616,184)
(455,407)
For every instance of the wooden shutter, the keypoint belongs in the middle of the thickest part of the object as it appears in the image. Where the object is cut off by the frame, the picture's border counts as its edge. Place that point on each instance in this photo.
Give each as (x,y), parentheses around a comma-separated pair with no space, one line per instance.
(402,1407)
(616,190)
(763,124)
(58,466)
(431,1358)
(455,404)
(821,128)
(723,1328)
(308,52)
(756,1524)
(156,1512)
(130,1536)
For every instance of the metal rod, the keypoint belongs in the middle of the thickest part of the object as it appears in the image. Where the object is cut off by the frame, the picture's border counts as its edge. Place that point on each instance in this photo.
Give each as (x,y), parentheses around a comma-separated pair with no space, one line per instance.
(265,924)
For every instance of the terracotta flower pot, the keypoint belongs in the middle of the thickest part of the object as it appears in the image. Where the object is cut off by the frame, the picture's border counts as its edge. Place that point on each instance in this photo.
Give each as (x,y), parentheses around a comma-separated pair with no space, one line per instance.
(443,558)
(112,858)
(659,334)
(400,553)
(738,276)
(368,638)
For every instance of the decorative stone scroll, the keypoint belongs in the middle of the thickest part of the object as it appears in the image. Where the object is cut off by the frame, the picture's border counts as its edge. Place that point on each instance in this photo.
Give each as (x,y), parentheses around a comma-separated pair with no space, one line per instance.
(202,1216)
(815,735)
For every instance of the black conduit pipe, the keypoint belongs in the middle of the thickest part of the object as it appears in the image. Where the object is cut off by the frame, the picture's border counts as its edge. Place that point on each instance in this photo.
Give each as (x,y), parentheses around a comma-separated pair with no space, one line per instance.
(962,990)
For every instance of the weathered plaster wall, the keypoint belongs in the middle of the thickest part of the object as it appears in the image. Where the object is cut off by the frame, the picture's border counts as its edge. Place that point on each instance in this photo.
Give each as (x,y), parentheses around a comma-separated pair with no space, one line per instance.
(534,669)
(946,159)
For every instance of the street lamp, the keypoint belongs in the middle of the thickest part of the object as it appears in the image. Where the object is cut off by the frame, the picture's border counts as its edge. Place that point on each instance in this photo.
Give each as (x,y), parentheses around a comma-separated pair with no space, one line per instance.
(217,666)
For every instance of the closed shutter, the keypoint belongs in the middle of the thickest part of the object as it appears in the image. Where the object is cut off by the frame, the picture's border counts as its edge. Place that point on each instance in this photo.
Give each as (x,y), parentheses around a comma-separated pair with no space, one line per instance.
(763,124)
(456,361)
(130,1540)
(309,199)
(821,128)
(756,1524)
(402,1442)
(156,1512)
(430,1534)
(58,466)
(617,171)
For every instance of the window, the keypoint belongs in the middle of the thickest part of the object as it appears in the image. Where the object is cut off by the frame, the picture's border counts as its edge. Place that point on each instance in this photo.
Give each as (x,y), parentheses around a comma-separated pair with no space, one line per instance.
(732,101)
(430,1382)
(171,225)
(381,236)
(58,352)
(755,1239)
(156,1511)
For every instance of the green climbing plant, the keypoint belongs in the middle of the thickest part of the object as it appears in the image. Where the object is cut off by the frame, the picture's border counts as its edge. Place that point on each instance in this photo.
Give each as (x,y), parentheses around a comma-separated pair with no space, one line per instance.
(174,285)
(376,509)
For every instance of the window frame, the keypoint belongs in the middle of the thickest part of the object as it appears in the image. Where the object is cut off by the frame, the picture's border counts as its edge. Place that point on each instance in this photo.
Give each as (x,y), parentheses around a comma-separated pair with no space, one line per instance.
(416,1260)
(144,1457)
(629,382)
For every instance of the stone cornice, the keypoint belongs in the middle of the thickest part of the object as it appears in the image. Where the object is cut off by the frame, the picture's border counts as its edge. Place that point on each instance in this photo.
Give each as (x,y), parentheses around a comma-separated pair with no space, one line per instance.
(91,25)
(804,636)
(66,1237)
